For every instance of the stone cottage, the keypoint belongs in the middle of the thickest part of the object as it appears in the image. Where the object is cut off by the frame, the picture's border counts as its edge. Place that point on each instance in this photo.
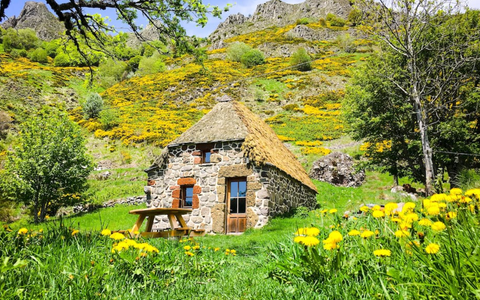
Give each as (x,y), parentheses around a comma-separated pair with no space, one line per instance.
(231,169)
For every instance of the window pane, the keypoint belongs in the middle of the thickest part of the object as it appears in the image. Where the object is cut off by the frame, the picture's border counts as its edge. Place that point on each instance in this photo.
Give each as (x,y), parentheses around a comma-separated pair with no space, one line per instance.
(189,191)
(233,189)
(233,206)
(242,189)
(188,201)
(207,157)
(242,205)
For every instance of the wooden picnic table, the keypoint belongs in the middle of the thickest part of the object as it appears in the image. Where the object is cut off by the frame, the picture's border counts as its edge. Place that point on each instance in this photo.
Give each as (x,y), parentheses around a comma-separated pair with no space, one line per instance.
(175,215)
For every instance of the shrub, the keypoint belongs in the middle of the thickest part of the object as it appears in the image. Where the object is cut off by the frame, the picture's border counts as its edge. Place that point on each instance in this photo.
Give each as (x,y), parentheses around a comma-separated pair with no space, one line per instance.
(16,53)
(38,55)
(109,118)
(300,60)
(345,43)
(236,50)
(322,22)
(92,106)
(290,107)
(51,48)
(253,58)
(62,60)
(335,20)
(304,21)
(354,17)
(151,65)
(111,72)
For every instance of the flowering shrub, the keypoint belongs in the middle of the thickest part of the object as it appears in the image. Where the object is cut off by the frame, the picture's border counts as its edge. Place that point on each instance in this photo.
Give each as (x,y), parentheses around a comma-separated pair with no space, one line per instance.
(416,251)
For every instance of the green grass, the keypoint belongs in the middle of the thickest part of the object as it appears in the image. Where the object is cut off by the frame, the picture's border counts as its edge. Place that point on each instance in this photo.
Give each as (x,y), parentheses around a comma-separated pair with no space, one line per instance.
(375,189)
(122,183)
(113,218)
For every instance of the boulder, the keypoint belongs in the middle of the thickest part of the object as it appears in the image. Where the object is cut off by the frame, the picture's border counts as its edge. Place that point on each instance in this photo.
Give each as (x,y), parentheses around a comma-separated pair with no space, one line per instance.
(337,169)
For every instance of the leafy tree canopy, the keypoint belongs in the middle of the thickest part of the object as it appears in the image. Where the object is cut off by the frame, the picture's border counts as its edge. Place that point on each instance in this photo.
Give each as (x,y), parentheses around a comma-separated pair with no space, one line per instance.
(165,15)
(50,166)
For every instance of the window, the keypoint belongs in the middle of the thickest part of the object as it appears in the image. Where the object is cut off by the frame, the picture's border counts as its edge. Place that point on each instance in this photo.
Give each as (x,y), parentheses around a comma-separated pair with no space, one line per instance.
(206,156)
(238,196)
(206,150)
(186,196)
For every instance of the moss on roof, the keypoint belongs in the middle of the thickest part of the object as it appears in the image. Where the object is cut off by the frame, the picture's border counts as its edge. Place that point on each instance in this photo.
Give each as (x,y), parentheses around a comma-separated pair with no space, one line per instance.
(263,146)
(222,123)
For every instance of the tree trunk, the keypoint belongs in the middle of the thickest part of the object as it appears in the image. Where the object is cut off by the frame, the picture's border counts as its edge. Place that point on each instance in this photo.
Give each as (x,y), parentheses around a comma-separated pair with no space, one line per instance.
(35,207)
(426,149)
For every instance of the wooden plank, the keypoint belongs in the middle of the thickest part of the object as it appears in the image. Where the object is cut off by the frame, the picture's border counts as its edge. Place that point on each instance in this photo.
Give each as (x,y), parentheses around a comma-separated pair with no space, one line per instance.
(161,211)
(181,220)
(149,223)
(138,224)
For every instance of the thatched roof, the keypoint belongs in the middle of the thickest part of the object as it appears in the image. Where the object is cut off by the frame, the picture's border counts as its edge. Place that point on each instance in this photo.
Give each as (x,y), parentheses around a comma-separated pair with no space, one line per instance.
(232,121)
(263,146)
(222,123)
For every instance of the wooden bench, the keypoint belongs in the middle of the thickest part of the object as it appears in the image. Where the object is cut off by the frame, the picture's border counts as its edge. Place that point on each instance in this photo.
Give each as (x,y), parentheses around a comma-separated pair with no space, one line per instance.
(197,232)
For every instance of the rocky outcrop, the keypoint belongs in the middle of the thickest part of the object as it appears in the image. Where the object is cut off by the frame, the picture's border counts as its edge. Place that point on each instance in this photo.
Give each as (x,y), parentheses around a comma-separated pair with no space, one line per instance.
(278,13)
(36,16)
(337,169)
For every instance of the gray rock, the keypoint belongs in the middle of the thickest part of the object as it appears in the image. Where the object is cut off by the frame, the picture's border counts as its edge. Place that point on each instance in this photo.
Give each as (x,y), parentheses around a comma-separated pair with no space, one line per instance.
(337,169)
(36,16)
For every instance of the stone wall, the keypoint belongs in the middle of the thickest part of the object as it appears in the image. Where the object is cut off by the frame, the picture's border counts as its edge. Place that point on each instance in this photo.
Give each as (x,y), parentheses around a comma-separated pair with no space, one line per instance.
(270,191)
(209,181)
(286,193)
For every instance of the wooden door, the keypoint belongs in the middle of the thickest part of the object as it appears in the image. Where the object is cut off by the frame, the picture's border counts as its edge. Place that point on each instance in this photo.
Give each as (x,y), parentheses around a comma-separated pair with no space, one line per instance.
(237,205)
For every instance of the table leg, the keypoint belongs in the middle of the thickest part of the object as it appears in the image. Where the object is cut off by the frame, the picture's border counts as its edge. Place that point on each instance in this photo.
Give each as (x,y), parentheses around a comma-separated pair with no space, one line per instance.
(181,220)
(138,224)
(150,223)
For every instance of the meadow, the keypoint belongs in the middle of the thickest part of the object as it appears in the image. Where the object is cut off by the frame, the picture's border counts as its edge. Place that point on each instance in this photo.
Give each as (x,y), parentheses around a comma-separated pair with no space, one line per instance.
(427,249)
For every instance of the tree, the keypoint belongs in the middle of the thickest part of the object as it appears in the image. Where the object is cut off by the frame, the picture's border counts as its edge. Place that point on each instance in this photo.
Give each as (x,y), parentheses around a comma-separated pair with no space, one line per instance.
(92,106)
(429,54)
(253,58)
(165,16)
(236,50)
(301,60)
(50,166)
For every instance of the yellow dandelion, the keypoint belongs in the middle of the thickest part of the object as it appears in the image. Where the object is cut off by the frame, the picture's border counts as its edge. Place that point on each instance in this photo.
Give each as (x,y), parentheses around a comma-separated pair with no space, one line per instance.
(187,248)
(366,234)
(333,210)
(438,226)
(396,220)
(196,247)
(117,236)
(22,231)
(402,233)
(433,210)
(310,241)
(382,252)
(188,253)
(354,232)
(378,214)
(456,191)
(299,239)
(75,232)
(408,207)
(390,207)
(465,199)
(364,208)
(376,208)
(432,248)
(330,245)
(335,236)
(106,232)
(451,215)
(425,222)
(216,249)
